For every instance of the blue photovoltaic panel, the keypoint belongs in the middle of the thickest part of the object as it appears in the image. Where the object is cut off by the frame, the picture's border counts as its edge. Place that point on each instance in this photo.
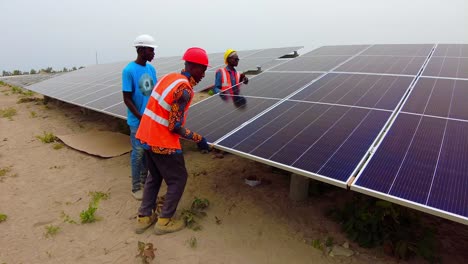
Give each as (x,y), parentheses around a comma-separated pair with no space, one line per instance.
(312,63)
(421,50)
(403,59)
(337,50)
(423,159)
(277,84)
(449,61)
(384,65)
(325,140)
(214,118)
(374,91)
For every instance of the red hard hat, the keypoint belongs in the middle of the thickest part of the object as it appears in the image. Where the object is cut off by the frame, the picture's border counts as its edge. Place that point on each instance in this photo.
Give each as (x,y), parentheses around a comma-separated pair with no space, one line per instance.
(196,55)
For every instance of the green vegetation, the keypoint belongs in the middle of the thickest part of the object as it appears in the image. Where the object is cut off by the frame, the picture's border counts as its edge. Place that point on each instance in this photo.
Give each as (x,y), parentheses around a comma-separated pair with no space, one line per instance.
(4,171)
(87,216)
(51,230)
(47,137)
(57,146)
(8,112)
(146,252)
(33,114)
(196,211)
(3,217)
(371,222)
(192,242)
(67,219)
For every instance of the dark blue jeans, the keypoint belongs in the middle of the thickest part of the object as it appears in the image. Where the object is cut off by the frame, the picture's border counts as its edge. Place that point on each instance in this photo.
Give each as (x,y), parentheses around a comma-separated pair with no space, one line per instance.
(137,161)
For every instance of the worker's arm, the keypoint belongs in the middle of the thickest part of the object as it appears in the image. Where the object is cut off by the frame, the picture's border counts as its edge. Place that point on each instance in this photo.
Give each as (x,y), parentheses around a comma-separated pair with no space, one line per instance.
(217,85)
(127,97)
(127,89)
(176,116)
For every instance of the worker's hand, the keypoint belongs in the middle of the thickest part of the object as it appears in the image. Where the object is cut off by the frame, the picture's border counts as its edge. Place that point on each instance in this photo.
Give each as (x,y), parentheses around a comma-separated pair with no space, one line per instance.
(203,146)
(244,79)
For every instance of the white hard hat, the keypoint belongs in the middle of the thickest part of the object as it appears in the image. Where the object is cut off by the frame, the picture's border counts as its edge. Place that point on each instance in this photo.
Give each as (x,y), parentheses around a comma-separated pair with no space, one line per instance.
(144,41)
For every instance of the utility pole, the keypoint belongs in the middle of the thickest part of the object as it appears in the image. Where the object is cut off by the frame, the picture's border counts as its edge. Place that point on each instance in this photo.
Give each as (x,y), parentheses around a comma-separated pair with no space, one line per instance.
(96,58)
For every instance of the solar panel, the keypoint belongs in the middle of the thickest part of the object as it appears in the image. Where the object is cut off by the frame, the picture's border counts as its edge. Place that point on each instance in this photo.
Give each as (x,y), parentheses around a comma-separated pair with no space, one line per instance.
(324,141)
(422,159)
(449,61)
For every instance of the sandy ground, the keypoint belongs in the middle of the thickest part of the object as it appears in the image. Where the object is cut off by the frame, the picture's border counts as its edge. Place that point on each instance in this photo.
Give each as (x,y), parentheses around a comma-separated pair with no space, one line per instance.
(258,225)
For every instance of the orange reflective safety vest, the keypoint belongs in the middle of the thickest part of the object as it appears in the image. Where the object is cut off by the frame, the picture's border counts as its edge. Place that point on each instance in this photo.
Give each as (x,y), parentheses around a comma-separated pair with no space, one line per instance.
(154,124)
(226,80)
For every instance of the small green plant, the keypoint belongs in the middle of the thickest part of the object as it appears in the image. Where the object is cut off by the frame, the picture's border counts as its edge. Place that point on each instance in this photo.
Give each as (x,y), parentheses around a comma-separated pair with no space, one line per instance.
(200,204)
(33,114)
(192,242)
(8,112)
(51,230)
(96,197)
(16,89)
(317,244)
(146,252)
(28,99)
(371,222)
(4,171)
(87,216)
(67,219)
(57,146)
(3,217)
(196,211)
(47,137)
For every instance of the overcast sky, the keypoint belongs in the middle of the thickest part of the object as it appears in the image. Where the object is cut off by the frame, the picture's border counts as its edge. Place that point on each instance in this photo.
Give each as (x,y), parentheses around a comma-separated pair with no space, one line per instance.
(58,33)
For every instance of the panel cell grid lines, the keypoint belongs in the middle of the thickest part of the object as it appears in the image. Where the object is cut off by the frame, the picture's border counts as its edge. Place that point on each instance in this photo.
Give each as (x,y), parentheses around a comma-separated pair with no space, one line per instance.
(389,59)
(423,160)
(326,128)
(322,59)
(450,61)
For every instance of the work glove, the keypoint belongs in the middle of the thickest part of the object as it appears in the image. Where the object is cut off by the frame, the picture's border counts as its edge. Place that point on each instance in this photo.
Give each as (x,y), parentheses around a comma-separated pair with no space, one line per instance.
(203,146)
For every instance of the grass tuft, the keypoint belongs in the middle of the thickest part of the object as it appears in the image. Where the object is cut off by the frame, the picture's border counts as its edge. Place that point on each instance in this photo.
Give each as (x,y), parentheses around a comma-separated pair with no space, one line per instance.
(8,112)
(47,137)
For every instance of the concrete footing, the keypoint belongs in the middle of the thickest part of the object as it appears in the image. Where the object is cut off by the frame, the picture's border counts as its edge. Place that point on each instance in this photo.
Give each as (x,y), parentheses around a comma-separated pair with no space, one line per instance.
(298,188)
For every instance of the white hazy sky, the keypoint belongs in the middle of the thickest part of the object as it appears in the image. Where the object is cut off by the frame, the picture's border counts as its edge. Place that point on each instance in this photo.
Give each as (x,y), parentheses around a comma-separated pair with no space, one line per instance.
(59,33)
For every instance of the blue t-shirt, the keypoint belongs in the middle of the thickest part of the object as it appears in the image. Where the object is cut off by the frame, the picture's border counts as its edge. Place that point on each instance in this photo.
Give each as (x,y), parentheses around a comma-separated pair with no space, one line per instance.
(139,80)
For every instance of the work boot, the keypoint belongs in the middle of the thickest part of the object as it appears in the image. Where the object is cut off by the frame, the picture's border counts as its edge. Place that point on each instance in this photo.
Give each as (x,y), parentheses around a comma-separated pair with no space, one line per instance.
(138,195)
(144,222)
(168,225)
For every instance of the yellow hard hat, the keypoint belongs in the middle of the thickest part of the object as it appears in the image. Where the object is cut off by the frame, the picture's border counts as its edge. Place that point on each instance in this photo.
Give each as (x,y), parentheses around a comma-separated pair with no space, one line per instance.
(227,53)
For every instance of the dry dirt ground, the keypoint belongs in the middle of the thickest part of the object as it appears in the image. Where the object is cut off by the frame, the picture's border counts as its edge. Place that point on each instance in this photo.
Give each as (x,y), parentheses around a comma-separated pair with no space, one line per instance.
(257,224)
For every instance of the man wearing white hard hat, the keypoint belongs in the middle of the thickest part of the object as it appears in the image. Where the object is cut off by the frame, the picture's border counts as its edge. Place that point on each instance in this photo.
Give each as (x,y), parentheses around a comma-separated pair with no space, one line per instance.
(138,80)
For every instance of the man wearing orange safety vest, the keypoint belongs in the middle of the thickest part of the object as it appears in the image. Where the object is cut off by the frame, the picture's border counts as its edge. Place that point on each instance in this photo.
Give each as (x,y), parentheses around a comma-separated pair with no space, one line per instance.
(161,127)
(227,80)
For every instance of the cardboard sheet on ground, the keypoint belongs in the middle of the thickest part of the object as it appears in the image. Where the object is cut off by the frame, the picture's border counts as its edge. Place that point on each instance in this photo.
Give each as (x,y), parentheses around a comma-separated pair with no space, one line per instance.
(99,143)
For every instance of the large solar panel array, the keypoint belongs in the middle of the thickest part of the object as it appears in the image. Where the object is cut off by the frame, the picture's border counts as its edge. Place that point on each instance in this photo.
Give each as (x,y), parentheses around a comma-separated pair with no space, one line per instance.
(423,160)
(317,122)
(323,114)
(99,87)
(386,120)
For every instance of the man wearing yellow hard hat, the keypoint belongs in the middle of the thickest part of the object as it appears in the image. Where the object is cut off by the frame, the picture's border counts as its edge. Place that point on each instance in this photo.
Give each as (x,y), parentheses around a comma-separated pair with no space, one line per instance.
(227,79)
